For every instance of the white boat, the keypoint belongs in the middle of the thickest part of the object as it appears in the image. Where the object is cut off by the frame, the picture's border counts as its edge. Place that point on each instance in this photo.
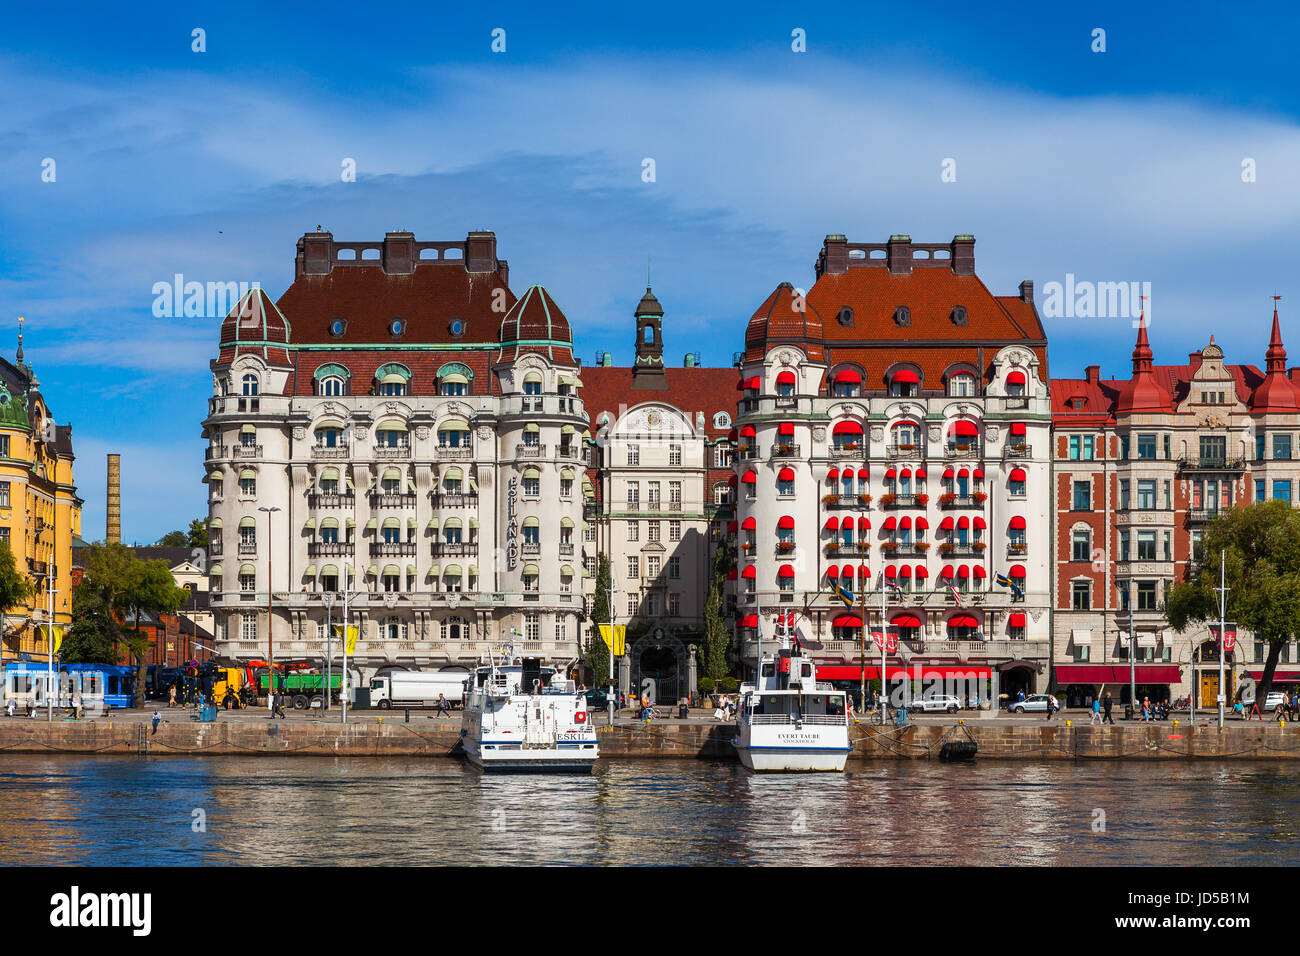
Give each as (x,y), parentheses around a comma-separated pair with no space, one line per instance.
(520,717)
(789,722)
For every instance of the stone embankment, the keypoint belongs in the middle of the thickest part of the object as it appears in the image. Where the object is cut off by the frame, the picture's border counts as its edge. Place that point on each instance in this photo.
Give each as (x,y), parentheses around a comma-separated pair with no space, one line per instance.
(1002,739)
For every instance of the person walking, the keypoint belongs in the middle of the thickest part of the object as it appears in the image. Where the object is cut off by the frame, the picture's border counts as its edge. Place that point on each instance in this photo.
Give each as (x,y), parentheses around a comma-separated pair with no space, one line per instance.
(1096,712)
(1109,703)
(442,707)
(1051,701)
(76,706)
(278,707)
(171,695)
(157,719)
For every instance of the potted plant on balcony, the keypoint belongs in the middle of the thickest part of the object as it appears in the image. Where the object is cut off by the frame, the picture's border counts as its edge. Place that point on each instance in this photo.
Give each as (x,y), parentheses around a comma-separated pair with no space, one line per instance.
(947,547)
(848,446)
(947,498)
(785,546)
(864,547)
(830,499)
(888,499)
(783,449)
(979,547)
(748,546)
(906,449)
(889,547)
(864,499)
(980,497)
(922,500)
(832,547)
(923,546)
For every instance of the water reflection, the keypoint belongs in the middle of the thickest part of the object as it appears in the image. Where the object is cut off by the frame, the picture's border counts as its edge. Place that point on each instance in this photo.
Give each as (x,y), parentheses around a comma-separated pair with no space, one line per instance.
(300,811)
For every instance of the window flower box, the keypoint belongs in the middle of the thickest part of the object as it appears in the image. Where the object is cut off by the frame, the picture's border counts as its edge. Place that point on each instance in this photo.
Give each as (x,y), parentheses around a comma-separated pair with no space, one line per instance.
(888,499)
(980,497)
(784,449)
(947,547)
(830,499)
(785,546)
(979,546)
(889,547)
(922,500)
(947,498)
(848,446)
(906,448)
(922,546)
(864,499)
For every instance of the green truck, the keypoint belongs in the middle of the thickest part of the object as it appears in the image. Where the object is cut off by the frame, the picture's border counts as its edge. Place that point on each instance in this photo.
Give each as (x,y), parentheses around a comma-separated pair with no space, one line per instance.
(303,690)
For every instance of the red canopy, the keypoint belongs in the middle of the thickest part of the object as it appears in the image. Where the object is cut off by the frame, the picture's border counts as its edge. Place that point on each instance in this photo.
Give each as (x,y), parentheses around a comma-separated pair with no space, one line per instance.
(891,572)
(847,428)
(1016,619)
(947,474)
(978,474)
(733,481)
(749,572)
(1015,378)
(906,620)
(947,523)
(1017,571)
(754,382)
(921,572)
(748,432)
(980,572)
(864,523)
(786,378)
(1017,522)
(749,524)
(963,571)
(979,523)
(1017,474)
(749,620)
(920,473)
(731,435)
(963,473)
(890,523)
(785,521)
(749,477)
(963,620)
(785,474)
(1017,428)
(785,428)
(905,571)
(833,474)
(785,571)
(848,375)
(832,523)
(732,527)
(891,473)
(863,571)
(862,473)
(732,575)
(905,523)
(846,620)
(963,522)
(963,427)
(946,572)
(904,375)
(833,571)
(905,473)
(922,524)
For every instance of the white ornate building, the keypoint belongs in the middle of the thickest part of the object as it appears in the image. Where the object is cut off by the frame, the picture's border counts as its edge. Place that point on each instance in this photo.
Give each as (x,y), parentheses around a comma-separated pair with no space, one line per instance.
(894,432)
(417,430)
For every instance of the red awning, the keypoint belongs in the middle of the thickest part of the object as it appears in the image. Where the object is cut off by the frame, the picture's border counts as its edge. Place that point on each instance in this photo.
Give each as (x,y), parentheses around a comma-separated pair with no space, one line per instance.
(733,481)
(1167,674)
(891,473)
(749,524)
(846,620)
(963,571)
(906,620)
(1017,571)
(785,521)
(890,523)
(920,474)
(905,524)
(832,524)
(922,524)
(980,572)
(1099,674)
(1015,378)
(963,620)
(785,571)
(1016,619)
(946,572)
(785,474)
(978,474)
(947,523)
(963,473)
(749,620)
(731,435)
(979,523)
(847,428)
(1017,474)
(749,572)
(947,474)
(921,572)
(904,375)
(963,427)
(862,473)
(905,473)
(754,382)
(905,571)
(785,378)
(748,432)
(1017,522)
(963,522)
(749,477)
(1279,676)
(1017,428)
(785,428)
(891,572)
(864,524)
(833,474)
(833,571)
(863,571)
(732,527)
(848,375)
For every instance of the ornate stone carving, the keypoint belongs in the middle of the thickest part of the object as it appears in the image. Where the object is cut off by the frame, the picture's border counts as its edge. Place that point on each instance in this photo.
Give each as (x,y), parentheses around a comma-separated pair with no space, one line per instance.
(422,432)
(877,433)
(299,433)
(936,433)
(819,433)
(484,433)
(991,432)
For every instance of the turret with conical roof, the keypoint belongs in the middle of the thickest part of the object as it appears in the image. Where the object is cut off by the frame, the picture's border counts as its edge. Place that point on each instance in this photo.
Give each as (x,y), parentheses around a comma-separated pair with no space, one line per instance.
(648,368)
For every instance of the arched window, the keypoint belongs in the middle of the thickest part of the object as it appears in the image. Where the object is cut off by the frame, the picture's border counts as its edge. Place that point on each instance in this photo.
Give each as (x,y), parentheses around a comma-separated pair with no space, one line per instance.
(393,379)
(394,629)
(904,383)
(961,385)
(331,385)
(250,385)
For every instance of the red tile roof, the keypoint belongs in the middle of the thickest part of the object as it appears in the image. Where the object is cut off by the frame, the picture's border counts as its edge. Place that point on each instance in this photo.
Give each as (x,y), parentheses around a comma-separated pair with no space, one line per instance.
(690,390)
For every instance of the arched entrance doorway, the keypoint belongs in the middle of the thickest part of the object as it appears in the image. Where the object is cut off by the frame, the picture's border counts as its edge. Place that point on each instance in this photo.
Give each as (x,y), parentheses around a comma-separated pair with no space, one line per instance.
(660,667)
(1014,677)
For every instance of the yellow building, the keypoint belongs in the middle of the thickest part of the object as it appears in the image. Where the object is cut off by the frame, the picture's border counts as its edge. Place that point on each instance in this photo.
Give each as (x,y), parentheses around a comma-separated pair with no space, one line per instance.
(40,512)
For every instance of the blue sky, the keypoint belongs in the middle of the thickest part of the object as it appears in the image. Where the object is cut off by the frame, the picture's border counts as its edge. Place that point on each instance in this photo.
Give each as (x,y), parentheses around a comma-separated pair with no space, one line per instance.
(1117,166)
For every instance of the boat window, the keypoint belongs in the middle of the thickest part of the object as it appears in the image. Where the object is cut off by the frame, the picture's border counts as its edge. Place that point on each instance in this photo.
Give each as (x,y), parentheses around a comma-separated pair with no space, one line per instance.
(769,669)
(773,704)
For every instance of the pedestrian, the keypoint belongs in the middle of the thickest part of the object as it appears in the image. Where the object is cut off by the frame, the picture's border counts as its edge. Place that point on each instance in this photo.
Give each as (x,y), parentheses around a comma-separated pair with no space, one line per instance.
(442,707)
(157,719)
(1146,709)
(1020,695)
(76,706)
(278,711)
(1051,705)
(1096,711)
(1109,702)
(171,695)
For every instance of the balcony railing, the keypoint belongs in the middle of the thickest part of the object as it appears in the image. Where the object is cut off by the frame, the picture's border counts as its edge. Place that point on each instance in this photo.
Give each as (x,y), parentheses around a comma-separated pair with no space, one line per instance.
(530,549)
(841,550)
(454,452)
(1017,549)
(913,550)
(845,501)
(246,451)
(904,451)
(214,548)
(454,549)
(1017,451)
(454,499)
(849,450)
(747,452)
(214,451)
(904,501)
(323,500)
(1212,464)
(530,451)
(330,549)
(248,547)
(330,452)
(1201,515)
(385,499)
(954,550)
(962,501)
(392,549)
(962,451)
(785,451)
(566,549)
(392,452)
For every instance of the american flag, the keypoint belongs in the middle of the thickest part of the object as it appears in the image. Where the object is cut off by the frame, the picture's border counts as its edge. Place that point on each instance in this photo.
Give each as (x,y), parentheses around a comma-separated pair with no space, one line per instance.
(956,595)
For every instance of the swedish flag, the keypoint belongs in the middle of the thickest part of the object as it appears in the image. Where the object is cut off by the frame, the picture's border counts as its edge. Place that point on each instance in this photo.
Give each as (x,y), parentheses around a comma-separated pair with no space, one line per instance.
(843,593)
(1005,582)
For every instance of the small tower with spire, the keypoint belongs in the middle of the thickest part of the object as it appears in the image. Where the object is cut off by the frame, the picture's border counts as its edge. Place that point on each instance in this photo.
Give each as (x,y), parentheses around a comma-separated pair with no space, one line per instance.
(648,369)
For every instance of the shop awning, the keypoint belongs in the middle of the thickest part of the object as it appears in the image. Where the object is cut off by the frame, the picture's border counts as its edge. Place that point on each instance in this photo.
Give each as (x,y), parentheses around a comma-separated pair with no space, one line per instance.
(920,474)
(732,527)
(905,375)
(747,431)
(906,620)
(978,523)
(980,572)
(891,572)
(904,524)
(947,524)
(891,474)
(922,524)
(733,481)
(963,620)
(947,474)
(853,672)
(863,571)
(753,382)
(845,620)
(847,428)
(749,620)
(864,524)
(862,473)
(905,571)
(732,575)
(1279,676)
(890,523)
(1100,674)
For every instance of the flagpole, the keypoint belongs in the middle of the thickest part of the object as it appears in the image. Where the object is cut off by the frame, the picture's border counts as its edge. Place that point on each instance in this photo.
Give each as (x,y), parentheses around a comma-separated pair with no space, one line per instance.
(862,654)
(883,641)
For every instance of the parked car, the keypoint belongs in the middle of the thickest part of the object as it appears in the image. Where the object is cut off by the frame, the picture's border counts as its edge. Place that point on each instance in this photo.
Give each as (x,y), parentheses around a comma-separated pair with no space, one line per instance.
(1272,702)
(597,699)
(1033,704)
(937,703)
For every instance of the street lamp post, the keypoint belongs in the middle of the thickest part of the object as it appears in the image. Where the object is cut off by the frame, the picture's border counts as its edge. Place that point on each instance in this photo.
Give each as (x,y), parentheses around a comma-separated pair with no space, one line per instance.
(49,637)
(270,618)
(329,652)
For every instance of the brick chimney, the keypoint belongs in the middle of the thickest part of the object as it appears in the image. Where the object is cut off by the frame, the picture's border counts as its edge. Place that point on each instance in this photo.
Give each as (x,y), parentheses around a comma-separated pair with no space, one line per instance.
(834,257)
(481,252)
(899,255)
(1092,374)
(1027,291)
(963,257)
(399,253)
(315,254)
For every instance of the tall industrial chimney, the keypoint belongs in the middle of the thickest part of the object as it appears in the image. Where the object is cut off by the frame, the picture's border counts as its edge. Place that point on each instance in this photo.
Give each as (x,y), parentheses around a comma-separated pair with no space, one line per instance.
(113,533)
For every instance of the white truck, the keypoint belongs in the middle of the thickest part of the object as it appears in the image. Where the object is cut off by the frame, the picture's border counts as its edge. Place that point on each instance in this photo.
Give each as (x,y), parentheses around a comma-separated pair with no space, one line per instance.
(417,688)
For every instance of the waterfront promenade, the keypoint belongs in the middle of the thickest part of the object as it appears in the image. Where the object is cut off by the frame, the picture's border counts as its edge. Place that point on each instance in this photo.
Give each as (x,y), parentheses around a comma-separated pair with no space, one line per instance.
(370,734)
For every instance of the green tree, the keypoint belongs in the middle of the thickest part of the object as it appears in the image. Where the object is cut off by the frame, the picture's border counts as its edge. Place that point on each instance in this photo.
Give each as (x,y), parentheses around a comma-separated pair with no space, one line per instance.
(717,632)
(90,638)
(1261,547)
(198,534)
(128,589)
(174,539)
(597,654)
(15,588)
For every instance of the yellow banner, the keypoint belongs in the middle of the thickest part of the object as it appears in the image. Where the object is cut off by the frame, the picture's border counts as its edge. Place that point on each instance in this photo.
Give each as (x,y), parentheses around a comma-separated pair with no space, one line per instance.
(351,640)
(58,634)
(618,646)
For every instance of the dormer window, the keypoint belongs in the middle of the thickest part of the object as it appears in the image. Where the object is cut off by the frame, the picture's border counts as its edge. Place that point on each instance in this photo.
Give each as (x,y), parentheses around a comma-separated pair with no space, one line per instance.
(904,383)
(902,316)
(533,383)
(338,327)
(331,385)
(397,328)
(1016,383)
(961,385)
(845,317)
(958,315)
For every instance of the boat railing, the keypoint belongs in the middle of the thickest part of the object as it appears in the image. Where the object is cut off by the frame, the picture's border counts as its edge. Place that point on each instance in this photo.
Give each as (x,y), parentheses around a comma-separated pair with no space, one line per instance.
(814,720)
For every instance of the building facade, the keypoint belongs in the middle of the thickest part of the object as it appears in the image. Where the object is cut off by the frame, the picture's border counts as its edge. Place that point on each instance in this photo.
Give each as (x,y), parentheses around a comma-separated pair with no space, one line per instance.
(416,430)
(894,437)
(40,511)
(663,441)
(1141,465)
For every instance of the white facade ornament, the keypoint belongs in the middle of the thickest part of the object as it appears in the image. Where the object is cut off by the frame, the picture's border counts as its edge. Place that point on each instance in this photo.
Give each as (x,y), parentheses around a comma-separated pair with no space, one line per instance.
(299,433)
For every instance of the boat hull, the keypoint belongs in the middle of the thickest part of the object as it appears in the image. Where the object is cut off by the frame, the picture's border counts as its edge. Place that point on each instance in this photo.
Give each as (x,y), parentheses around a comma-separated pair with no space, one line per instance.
(534,760)
(792,759)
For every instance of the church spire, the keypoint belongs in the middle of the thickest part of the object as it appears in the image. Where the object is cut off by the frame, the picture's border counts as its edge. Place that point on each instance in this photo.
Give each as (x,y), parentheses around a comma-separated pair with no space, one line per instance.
(20,341)
(1276,354)
(1142,354)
